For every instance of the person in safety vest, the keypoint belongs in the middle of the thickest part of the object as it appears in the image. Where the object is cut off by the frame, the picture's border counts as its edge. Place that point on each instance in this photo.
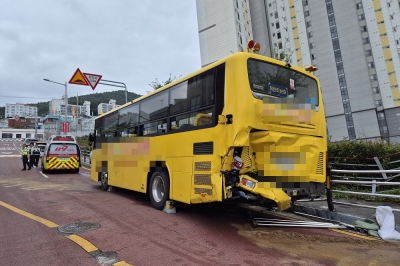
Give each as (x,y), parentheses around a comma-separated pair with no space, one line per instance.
(35,155)
(24,156)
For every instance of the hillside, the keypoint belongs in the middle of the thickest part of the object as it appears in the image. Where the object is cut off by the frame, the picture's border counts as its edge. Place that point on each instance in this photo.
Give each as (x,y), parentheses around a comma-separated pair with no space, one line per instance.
(95,99)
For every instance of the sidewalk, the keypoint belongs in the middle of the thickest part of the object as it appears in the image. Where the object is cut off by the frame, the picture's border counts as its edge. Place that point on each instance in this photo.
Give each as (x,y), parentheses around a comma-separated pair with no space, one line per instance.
(345,213)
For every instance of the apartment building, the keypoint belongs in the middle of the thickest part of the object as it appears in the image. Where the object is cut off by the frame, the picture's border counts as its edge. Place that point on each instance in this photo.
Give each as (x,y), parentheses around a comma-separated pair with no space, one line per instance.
(57,107)
(105,107)
(19,109)
(354,44)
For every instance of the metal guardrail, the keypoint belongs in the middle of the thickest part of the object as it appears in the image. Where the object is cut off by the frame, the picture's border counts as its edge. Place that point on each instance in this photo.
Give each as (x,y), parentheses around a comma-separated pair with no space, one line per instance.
(373,184)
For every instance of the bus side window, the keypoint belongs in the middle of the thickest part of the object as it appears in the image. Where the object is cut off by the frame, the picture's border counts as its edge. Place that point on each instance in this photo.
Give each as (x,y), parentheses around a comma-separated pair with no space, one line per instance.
(174,125)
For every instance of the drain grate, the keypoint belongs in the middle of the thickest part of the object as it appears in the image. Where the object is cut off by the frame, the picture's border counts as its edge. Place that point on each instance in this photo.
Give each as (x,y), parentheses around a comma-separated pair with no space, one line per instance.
(77,227)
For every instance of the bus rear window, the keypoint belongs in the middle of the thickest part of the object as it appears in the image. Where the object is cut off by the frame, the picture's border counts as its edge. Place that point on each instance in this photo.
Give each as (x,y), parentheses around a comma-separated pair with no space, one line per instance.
(269,80)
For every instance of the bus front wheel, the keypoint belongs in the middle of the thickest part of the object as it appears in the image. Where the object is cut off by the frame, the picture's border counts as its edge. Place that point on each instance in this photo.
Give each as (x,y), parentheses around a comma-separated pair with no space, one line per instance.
(159,190)
(104,180)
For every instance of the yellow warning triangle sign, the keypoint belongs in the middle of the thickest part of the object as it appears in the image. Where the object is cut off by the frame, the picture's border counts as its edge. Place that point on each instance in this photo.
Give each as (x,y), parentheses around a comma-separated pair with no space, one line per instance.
(78,79)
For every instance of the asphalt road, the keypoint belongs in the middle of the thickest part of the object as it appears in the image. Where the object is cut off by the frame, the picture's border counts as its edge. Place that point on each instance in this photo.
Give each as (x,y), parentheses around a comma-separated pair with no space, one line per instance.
(39,214)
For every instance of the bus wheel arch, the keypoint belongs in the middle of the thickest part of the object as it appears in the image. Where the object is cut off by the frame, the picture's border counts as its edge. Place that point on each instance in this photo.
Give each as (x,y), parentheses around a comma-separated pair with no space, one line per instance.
(159,188)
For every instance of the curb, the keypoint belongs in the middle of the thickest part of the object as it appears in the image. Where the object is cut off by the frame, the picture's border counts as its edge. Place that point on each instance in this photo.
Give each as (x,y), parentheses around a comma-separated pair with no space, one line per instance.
(335,216)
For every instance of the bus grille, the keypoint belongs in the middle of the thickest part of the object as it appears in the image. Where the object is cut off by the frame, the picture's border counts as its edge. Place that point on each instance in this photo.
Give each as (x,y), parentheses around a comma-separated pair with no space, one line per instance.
(202,190)
(320,165)
(201,179)
(247,163)
(203,148)
(202,166)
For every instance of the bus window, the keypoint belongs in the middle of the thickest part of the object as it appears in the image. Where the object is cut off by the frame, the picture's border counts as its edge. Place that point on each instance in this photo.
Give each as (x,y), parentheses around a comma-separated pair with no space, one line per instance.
(155,107)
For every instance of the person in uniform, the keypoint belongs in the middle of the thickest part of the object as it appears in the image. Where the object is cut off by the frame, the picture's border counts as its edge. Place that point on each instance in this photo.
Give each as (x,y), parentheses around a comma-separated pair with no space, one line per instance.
(24,156)
(36,155)
(31,156)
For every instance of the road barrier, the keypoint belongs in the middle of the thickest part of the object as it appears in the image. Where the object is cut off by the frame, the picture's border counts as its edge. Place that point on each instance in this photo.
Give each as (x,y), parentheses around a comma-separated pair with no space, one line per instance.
(372,183)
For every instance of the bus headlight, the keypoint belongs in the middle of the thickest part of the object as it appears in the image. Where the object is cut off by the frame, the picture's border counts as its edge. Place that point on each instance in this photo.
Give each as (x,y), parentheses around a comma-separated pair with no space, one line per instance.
(248,183)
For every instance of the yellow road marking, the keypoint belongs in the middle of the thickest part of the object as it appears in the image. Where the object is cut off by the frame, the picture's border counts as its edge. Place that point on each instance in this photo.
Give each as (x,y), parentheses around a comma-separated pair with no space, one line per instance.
(353,234)
(83,243)
(28,215)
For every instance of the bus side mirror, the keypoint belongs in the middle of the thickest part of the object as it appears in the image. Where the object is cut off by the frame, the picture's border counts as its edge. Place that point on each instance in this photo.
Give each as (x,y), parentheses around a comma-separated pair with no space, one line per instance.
(221,120)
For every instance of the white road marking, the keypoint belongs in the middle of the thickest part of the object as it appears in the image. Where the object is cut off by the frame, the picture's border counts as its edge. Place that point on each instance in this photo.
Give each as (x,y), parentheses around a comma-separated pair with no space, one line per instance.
(45,176)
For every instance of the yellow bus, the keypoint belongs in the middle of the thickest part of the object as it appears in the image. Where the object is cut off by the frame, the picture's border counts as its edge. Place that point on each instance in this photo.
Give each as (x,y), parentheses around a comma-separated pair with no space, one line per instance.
(245,128)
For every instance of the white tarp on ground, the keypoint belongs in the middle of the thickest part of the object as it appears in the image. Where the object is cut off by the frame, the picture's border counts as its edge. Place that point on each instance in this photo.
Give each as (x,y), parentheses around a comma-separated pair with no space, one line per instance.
(385,218)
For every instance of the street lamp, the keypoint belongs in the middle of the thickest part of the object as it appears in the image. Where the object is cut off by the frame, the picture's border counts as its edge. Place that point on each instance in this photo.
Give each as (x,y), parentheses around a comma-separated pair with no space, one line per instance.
(65,96)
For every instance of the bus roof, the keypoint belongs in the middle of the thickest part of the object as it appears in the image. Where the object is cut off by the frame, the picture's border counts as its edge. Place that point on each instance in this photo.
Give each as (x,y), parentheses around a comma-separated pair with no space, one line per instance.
(205,68)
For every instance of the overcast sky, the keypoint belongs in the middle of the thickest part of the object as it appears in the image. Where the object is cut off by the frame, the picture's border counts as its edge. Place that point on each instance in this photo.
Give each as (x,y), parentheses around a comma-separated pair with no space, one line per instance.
(129,41)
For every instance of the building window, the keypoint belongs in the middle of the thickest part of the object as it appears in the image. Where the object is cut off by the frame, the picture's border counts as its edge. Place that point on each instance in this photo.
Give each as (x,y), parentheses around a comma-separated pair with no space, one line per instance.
(366,40)
(276,14)
(381,115)
(383,129)
(368,52)
(359,5)
(280,45)
(307,13)
(361,17)
(277,25)
(278,35)
(363,28)
(373,77)
(308,24)
(312,45)
(378,103)
(371,65)
(375,90)
(313,56)
(310,34)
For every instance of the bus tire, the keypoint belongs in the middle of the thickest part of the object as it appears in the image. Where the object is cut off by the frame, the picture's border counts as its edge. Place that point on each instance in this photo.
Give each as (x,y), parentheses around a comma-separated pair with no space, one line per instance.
(104,180)
(159,190)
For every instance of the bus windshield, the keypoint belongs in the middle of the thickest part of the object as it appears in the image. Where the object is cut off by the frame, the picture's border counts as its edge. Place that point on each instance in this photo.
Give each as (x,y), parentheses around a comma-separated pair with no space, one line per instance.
(269,80)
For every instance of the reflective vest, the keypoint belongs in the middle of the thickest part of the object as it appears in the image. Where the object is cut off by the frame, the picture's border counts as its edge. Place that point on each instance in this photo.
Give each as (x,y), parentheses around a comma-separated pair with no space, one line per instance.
(36,150)
(24,151)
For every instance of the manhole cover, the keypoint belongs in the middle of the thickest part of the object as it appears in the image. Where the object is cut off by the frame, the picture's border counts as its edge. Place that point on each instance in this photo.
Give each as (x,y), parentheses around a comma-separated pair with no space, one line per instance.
(77,227)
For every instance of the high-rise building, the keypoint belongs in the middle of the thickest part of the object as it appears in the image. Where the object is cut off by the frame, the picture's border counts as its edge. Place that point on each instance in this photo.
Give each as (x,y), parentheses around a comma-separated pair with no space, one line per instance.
(57,107)
(19,109)
(354,44)
(105,107)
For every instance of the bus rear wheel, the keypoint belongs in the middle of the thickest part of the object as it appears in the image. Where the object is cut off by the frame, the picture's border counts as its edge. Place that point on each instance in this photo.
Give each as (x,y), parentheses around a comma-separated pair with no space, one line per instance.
(159,190)
(104,180)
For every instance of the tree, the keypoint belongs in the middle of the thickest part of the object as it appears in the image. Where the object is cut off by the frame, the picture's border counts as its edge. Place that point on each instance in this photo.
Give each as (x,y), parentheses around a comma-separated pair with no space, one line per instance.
(285,55)
(156,84)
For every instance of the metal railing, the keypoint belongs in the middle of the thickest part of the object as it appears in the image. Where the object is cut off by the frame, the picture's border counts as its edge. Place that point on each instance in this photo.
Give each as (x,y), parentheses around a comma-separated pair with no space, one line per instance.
(85,156)
(372,183)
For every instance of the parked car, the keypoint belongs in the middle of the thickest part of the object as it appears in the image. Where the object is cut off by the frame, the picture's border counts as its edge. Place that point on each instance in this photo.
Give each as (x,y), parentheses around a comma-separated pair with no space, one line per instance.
(28,141)
(42,146)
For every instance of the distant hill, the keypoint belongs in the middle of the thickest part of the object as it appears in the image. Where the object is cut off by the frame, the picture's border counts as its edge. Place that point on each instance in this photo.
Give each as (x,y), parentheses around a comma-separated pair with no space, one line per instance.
(95,99)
